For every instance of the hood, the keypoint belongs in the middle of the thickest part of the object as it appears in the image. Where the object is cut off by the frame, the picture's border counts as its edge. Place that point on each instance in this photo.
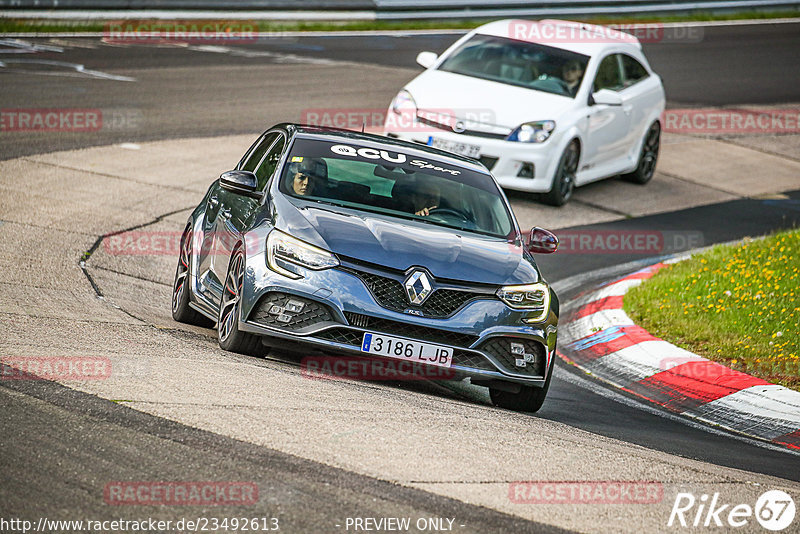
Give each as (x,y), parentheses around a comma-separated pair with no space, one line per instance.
(490,103)
(400,244)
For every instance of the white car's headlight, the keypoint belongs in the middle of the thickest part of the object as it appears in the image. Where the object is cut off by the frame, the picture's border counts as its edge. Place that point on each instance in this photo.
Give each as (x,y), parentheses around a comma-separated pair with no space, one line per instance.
(404,102)
(533,132)
(282,248)
(534,298)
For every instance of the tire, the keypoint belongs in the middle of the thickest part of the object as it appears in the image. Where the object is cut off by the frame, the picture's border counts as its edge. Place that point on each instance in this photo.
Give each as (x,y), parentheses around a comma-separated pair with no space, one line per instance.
(528,399)
(228,333)
(181,311)
(648,157)
(564,179)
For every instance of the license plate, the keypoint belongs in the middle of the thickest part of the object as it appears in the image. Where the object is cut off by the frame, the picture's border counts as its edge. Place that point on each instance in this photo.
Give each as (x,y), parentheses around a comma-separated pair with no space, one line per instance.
(465,149)
(402,349)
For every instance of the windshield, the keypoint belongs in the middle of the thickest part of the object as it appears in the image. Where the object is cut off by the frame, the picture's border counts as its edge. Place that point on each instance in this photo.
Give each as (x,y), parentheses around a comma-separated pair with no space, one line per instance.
(396,184)
(529,65)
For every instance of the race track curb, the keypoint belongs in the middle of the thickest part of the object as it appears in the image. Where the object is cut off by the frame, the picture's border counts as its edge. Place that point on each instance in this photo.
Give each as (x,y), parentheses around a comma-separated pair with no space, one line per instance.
(599,338)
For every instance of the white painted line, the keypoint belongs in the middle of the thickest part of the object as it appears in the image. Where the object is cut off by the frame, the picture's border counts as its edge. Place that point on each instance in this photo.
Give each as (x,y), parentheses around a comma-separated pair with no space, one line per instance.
(640,361)
(617,289)
(130,146)
(70,69)
(765,411)
(594,322)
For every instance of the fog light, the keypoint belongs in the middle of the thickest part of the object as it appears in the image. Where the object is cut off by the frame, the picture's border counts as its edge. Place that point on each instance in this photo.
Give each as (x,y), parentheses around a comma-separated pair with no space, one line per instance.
(527,170)
(294,306)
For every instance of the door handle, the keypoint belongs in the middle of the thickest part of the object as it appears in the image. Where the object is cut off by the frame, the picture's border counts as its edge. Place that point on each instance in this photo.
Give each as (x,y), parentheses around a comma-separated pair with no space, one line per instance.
(213,202)
(225,213)
(627,109)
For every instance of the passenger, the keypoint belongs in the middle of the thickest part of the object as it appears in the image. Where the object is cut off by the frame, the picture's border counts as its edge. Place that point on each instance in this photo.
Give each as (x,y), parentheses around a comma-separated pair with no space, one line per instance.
(572,74)
(425,197)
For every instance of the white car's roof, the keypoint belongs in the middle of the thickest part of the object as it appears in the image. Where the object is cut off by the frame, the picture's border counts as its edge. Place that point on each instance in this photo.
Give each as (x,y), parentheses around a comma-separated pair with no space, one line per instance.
(580,37)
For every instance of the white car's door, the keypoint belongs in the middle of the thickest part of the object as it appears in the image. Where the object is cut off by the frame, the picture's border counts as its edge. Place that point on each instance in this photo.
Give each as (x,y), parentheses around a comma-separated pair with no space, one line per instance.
(608,126)
(642,96)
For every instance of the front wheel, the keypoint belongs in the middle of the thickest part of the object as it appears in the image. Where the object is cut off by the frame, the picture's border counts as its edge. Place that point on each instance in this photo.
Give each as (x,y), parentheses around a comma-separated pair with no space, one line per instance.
(564,180)
(527,399)
(648,158)
(228,333)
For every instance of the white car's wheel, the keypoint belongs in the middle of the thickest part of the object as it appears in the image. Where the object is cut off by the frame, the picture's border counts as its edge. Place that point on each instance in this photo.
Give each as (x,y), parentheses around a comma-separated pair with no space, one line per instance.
(648,156)
(564,180)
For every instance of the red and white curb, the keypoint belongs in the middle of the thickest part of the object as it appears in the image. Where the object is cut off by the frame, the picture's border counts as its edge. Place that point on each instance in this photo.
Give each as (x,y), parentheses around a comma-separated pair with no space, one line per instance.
(602,340)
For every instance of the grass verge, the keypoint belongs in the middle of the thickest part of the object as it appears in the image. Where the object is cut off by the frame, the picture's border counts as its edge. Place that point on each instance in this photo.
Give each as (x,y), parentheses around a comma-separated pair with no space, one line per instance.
(16,25)
(737,305)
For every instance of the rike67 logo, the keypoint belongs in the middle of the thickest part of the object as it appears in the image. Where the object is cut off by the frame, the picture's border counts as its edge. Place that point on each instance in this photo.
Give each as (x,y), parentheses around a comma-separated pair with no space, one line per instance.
(774,510)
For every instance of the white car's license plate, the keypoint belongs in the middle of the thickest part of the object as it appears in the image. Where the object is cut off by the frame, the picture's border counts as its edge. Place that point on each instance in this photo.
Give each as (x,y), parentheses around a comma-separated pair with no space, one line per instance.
(402,349)
(465,149)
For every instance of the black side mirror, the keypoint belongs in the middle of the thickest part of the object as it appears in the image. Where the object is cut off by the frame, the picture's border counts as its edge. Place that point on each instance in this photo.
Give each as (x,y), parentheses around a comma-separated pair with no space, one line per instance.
(241,182)
(541,241)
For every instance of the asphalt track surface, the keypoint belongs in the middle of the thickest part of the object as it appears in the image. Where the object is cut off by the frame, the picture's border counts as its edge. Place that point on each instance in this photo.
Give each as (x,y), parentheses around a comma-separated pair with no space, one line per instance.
(211,89)
(64,441)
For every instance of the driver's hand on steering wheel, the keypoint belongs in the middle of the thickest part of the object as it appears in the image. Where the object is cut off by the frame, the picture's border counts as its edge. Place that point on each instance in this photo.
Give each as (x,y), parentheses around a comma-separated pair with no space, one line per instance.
(424,212)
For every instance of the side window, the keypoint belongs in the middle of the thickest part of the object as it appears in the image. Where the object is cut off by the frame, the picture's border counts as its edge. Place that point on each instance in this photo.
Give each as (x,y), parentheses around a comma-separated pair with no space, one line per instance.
(257,152)
(268,163)
(634,71)
(609,75)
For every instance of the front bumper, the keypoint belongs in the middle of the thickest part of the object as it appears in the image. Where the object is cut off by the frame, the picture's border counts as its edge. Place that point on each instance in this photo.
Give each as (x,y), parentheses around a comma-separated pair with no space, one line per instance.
(339,308)
(505,159)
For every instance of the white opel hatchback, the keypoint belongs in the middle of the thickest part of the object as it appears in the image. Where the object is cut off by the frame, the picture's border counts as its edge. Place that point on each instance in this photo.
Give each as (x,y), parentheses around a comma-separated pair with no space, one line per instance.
(546,106)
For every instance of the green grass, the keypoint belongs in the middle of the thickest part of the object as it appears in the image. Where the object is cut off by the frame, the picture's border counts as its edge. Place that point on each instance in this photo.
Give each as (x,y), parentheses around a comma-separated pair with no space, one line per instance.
(11,25)
(737,305)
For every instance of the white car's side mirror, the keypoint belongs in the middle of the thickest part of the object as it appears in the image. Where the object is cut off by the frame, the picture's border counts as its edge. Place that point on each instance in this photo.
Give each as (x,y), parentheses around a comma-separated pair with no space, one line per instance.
(427,59)
(607,97)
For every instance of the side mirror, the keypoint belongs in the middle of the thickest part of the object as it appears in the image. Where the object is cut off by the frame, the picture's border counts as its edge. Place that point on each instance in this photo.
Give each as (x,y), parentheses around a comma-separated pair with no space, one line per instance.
(427,59)
(607,97)
(541,241)
(241,182)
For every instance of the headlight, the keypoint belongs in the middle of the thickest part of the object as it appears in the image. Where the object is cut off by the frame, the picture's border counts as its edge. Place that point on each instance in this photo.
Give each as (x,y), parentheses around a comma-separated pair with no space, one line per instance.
(533,132)
(404,102)
(282,248)
(534,298)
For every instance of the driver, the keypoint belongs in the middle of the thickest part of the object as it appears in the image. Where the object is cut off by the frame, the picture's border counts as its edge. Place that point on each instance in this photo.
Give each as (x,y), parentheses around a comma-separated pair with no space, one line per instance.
(572,73)
(426,197)
(304,176)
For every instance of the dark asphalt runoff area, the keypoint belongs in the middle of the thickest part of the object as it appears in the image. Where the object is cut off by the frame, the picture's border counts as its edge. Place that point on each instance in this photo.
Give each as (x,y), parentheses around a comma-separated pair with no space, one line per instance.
(59,445)
(217,89)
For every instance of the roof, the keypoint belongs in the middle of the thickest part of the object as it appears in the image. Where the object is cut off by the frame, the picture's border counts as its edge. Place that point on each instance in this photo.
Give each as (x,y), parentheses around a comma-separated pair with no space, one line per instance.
(580,37)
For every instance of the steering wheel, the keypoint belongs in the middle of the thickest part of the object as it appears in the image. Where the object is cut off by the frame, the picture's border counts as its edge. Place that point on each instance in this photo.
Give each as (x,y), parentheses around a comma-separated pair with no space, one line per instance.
(554,82)
(449,211)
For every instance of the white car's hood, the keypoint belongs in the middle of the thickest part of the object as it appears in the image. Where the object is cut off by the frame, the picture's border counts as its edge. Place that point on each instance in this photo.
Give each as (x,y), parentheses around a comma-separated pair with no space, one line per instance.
(486,102)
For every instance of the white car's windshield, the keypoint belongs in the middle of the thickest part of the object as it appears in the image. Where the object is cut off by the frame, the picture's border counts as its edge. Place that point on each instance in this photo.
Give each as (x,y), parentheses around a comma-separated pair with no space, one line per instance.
(530,65)
(396,184)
